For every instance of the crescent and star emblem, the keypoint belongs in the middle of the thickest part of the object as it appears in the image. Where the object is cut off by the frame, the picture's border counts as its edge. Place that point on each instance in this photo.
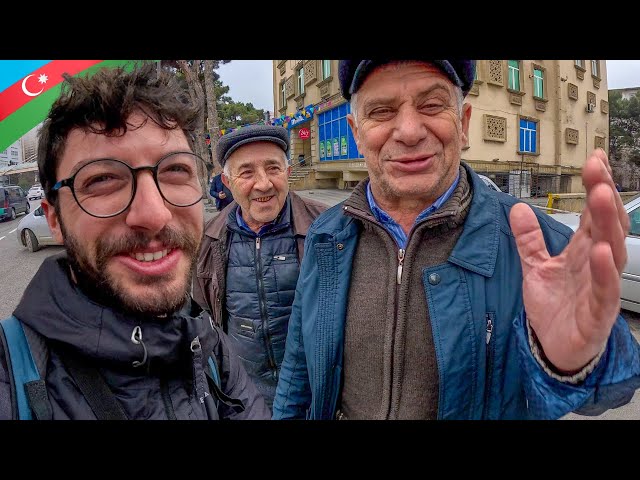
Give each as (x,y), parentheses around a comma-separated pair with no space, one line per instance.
(42,79)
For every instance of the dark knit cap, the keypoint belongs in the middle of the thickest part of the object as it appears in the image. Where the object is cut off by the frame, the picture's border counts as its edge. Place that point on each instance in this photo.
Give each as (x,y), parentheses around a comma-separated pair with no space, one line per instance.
(352,73)
(253,133)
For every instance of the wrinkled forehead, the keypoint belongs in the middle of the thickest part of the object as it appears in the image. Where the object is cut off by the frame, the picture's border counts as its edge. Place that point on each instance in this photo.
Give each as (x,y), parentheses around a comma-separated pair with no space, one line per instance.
(403,71)
(256,154)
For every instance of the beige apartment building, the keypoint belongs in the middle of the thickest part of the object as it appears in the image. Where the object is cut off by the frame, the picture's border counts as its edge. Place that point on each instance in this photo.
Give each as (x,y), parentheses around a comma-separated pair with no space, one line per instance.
(532,126)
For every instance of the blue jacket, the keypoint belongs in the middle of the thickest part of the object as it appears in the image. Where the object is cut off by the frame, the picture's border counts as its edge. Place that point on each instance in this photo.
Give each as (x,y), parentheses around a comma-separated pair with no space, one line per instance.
(499,380)
(216,187)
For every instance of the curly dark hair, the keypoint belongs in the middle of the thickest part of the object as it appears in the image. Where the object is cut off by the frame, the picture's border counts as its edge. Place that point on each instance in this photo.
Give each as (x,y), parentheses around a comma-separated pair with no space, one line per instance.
(103,102)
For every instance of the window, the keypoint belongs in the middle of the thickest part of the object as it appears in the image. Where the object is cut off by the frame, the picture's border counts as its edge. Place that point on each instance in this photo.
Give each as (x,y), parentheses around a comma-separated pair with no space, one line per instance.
(538,83)
(283,95)
(514,75)
(595,68)
(326,69)
(528,136)
(579,63)
(634,216)
(335,139)
(300,81)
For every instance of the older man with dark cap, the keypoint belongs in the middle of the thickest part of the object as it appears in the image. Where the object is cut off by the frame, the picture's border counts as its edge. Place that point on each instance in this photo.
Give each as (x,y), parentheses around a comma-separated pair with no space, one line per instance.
(425,295)
(251,253)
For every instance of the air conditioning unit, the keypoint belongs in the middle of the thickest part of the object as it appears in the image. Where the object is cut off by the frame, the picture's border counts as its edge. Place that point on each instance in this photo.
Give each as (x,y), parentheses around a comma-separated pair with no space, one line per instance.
(591,107)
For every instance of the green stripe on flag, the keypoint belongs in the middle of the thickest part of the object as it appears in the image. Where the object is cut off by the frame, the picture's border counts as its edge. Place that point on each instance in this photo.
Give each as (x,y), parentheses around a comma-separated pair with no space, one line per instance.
(31,114)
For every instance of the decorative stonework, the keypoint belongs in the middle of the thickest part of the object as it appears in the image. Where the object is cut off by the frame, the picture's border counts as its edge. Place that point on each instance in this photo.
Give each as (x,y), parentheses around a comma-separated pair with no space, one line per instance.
(580,74)
(495,128)
(475,89)
(299,101)
(596,82)
(324,90)
(604,106)
(571,135)
(310,71)
(515,97)
(591,98)
(496,73)
(573,91)
(598,142)
(289,87)
(282,67)
(541,106)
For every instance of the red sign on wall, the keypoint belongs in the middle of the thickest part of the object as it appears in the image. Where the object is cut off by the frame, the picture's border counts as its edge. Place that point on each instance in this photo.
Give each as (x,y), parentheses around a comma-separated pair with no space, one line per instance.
(304,133)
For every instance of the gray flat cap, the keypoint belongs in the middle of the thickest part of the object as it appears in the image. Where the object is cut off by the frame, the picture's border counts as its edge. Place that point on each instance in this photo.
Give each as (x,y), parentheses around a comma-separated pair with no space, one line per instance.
(254,133)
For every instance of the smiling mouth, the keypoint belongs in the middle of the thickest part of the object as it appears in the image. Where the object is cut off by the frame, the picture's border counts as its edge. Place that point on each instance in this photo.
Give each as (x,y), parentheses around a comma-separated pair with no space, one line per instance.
(263,199)
(151,256)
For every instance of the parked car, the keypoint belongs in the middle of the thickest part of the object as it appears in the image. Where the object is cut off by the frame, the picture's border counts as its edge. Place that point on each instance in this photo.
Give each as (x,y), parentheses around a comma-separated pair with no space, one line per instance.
(490,183)
(35,193)
(13,200)
(33,231)
(630,295)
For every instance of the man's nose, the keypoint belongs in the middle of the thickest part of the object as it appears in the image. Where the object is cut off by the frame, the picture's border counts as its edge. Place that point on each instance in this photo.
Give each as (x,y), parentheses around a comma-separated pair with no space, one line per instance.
(410,127)
(148,210)
(262,181)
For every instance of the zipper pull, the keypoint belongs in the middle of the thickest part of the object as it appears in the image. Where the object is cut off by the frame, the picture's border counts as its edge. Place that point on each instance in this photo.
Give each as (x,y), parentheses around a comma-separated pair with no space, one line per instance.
(257,243)
(489,327)
(400,260)
(280,257)
(136,338)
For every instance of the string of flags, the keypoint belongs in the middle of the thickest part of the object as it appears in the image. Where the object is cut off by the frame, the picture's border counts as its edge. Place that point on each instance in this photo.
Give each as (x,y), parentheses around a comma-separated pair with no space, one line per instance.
(287,121)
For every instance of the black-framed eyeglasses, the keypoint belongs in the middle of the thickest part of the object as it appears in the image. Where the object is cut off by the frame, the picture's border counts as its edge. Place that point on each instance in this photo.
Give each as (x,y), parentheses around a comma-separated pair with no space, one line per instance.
(106,187)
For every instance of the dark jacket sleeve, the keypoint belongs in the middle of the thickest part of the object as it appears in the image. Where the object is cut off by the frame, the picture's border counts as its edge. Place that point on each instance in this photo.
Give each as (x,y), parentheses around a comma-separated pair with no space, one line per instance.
(6,410)
(237,384)
(215,186)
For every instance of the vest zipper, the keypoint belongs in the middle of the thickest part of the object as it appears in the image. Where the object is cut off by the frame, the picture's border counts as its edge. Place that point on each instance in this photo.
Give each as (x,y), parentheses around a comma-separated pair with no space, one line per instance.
(400,261)
(263,312)
(488,371)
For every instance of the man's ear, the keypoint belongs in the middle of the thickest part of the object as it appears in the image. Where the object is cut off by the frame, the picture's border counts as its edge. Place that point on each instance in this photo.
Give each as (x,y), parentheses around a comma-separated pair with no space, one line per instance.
(225,180)
(52,220)
(465,120)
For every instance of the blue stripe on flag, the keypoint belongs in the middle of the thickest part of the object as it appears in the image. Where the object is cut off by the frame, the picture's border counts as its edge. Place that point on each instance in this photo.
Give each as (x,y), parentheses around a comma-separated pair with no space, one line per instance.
(12,71)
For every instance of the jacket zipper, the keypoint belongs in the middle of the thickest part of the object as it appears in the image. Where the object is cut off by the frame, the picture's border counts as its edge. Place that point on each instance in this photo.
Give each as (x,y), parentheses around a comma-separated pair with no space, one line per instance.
(200,381)
(166,399)
(263,312)
(489,319)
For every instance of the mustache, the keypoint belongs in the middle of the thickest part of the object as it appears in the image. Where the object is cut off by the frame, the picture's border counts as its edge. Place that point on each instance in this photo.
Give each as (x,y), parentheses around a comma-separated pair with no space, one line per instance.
(168,236)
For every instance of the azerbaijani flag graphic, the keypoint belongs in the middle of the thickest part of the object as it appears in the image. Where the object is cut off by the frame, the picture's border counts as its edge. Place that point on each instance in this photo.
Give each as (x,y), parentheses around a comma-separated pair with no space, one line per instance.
(28,88)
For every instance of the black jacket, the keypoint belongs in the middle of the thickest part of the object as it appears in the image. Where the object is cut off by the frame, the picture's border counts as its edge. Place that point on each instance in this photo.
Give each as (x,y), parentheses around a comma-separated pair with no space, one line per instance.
(162,388)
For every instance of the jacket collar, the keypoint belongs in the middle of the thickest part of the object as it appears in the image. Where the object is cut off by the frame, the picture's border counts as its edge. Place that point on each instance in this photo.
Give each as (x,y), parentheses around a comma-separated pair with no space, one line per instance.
(301,221)
(477,247)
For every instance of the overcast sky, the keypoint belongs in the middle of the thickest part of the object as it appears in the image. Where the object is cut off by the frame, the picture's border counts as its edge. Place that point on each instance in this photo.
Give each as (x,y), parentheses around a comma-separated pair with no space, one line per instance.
(251,81)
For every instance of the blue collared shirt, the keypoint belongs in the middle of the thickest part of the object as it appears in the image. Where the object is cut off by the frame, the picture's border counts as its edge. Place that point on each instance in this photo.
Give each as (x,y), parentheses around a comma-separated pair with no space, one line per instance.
(390,224)
(265,228)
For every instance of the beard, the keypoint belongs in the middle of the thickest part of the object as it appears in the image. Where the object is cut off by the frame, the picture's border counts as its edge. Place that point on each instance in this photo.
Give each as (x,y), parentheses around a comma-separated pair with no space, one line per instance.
(97,283)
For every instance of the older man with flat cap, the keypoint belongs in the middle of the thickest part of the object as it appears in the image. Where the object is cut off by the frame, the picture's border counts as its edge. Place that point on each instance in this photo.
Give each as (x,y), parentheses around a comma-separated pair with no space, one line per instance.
(250,257)
(425,295)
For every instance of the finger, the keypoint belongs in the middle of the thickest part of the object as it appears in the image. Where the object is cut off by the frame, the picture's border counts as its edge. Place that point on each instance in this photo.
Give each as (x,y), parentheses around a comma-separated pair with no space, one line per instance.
(605,226)
(595,172)
(529,239)
(604,298)
(578,251)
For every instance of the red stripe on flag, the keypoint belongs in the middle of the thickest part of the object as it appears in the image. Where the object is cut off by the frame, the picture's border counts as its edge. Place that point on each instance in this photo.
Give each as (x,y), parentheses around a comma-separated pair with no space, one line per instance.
(29,87)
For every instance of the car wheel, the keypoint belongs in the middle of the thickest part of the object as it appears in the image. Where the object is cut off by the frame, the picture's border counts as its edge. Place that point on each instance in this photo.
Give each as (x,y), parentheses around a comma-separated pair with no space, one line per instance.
(30,240)
(13,214)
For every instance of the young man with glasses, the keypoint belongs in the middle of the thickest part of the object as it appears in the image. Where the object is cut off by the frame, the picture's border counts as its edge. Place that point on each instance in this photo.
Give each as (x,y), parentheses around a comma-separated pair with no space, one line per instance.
(123,193)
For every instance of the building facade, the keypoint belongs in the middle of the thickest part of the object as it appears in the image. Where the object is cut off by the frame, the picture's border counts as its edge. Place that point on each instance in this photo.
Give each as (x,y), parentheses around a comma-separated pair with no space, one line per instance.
(12,155)
(533,123)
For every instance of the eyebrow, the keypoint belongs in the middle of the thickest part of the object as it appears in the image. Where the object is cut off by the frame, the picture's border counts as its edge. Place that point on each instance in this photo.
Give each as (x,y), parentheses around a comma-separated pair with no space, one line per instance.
(382,100)
(82,163)
(267,163)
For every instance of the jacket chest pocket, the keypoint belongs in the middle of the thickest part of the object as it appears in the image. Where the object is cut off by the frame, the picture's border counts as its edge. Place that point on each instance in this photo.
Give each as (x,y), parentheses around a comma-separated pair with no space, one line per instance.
(285,268)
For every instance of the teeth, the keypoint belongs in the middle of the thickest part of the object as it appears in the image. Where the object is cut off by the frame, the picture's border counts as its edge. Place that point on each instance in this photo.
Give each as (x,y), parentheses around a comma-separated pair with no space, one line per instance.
(151,256)
(263,199)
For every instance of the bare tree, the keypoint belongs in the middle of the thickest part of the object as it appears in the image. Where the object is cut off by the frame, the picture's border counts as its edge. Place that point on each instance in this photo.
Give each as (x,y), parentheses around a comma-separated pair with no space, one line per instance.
(212,111)
(190,70)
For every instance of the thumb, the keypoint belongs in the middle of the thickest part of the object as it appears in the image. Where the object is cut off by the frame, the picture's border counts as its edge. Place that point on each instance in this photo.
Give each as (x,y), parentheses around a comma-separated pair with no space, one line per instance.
(529,239)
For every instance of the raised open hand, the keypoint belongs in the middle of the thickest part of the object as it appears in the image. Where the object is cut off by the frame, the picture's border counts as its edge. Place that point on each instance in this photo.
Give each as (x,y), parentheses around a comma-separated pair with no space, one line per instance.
(572,300)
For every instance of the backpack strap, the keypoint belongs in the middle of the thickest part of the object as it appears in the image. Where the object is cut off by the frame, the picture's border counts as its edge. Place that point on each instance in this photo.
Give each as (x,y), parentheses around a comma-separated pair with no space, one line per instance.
(29,388)
(213,375)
